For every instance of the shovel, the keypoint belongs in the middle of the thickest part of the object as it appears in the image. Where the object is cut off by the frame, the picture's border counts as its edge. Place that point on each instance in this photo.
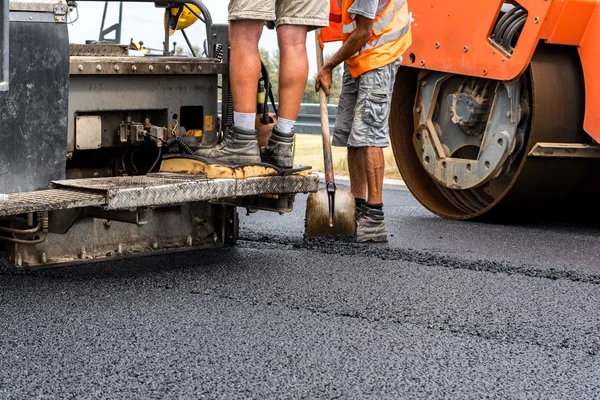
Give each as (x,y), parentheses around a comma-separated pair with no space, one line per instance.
(330,211)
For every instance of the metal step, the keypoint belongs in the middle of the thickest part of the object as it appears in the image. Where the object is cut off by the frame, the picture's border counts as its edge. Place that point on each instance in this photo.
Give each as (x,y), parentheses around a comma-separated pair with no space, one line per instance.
(48,200)
(151,190)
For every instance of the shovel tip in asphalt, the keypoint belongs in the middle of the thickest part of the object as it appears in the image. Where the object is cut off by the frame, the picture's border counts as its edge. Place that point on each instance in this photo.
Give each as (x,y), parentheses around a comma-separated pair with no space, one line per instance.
(317,215)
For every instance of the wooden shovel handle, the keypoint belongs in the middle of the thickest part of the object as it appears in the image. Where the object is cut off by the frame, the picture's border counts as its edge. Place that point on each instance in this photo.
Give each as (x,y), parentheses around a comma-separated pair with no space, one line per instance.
(327,157)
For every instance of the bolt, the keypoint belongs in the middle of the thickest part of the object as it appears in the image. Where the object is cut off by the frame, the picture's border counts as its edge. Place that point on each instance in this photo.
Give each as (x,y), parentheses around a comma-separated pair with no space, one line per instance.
(133,68)
(215,237)
(184,68)
(98,67)
(19,260)
(107,223)
(120,249)
(466,48)
(151,68)
(423,63)
(418,109)
(44,258)
(31,18)
(189,241)
(80,67)
(116,67)
(155,245)
(167,67)
(82,253)
(536,20)
(508,114)
(485,72)
(424,83)
(437,45)
(199,67)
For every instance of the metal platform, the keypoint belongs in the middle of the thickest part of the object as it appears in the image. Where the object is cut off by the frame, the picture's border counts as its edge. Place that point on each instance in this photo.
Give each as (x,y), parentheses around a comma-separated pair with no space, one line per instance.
(151,190)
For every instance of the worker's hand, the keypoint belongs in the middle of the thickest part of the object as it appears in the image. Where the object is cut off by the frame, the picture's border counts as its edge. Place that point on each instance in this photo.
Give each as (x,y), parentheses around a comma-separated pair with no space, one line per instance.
(324,80)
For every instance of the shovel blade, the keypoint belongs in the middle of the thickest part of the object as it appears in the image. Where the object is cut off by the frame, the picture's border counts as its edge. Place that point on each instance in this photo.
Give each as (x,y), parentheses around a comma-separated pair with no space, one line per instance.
(317,214)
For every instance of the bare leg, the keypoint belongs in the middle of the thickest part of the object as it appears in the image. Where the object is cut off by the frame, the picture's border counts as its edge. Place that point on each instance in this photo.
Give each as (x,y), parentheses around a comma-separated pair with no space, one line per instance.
(293,70)
(244,63)
(358,172)
(374,165)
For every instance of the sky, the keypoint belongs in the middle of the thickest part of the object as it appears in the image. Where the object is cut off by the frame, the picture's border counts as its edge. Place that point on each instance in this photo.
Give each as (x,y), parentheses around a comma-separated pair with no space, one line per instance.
(144,22)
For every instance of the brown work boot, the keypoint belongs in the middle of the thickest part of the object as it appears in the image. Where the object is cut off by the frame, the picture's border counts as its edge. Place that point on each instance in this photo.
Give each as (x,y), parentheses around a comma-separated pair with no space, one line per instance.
(240,146)
(280,149)
(370,226)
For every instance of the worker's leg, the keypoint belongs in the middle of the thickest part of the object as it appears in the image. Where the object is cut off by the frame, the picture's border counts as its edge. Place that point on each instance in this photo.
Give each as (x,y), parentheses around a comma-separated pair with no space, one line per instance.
(293,74)
(374,165)
(293,70)
(370,130)
(358,173)
(294,19)
(341,133)
(244,70)
(246,24)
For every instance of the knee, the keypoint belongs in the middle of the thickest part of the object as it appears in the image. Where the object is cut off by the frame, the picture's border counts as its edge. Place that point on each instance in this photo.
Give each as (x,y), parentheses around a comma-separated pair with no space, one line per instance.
(292,37)
(245,32)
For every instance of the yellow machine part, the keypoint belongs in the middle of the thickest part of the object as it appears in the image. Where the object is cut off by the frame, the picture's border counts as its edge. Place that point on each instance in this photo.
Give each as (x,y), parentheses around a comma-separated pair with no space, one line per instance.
(190,166)
(183,18)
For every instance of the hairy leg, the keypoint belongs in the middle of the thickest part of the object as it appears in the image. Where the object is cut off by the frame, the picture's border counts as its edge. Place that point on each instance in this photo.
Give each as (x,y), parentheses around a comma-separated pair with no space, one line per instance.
(293,69)
(244,63)
(374,165)
(358,172)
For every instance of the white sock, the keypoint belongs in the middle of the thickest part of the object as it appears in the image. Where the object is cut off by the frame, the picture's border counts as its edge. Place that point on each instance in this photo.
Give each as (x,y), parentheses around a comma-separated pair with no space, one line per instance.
(244,120)
(285,125)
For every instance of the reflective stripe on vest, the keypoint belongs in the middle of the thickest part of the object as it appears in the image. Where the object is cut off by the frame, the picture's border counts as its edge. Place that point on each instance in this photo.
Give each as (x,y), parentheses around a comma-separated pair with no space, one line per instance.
(390,39)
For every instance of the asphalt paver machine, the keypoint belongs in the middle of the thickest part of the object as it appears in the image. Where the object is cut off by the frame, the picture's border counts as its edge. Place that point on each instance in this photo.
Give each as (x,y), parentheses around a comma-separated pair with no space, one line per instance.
(97,143)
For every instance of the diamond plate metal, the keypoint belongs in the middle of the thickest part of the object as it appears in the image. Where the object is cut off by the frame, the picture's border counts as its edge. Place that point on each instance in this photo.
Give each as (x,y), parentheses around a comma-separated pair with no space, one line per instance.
(145,191)
(35,5)
(48,200)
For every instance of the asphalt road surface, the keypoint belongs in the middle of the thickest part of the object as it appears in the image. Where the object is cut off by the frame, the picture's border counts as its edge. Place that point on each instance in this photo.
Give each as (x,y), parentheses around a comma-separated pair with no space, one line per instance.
(444,310)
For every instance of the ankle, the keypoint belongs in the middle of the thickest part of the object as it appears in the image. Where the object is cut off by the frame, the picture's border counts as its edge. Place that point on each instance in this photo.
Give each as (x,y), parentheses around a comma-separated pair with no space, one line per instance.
(244,120)
(378,207)
(358,202)
(285,126)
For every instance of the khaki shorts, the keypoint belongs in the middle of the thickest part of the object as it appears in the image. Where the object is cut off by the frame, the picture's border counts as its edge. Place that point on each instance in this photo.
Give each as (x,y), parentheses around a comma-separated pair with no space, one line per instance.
(364,108)
(312,13)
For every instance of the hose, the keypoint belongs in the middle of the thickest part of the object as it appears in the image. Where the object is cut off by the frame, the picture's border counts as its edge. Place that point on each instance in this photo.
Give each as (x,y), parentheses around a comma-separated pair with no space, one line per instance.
(186,149)
(510,33)
(509,26)
(35,229)
(504,21)
(265,76)
(23,241)
(156,161)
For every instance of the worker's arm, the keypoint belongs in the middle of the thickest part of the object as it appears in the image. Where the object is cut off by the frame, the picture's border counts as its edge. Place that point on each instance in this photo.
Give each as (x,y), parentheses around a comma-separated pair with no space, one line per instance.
(361,36)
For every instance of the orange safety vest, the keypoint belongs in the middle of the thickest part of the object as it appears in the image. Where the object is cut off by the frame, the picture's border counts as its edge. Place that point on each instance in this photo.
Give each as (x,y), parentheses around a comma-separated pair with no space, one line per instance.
(391,37)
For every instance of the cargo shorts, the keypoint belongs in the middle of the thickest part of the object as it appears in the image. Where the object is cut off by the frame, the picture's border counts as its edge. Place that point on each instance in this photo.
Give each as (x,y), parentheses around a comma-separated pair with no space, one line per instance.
(312,13)
(364,108)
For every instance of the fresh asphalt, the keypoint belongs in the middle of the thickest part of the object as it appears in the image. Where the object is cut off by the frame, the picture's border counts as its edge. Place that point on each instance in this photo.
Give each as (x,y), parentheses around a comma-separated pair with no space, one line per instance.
(444,310)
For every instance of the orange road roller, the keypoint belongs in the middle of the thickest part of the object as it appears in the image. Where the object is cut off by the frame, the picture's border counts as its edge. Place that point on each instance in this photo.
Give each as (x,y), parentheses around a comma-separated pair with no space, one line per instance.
(496,109)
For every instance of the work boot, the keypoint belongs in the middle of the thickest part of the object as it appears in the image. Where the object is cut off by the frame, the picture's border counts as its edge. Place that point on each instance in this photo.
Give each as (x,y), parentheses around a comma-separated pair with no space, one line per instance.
(280,149)
(370,226)
(240,146)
